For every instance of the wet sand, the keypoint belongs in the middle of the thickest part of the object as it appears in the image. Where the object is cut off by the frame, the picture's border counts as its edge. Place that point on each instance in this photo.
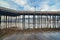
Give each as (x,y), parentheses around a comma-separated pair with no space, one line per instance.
(34,36)
(30,34)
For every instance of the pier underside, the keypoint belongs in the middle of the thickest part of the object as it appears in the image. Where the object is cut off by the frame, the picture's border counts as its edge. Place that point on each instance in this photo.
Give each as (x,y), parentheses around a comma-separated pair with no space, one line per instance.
(31,21)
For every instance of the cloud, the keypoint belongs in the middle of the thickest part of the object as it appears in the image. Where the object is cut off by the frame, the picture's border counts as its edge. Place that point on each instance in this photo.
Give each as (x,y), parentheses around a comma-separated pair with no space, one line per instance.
(4,4)
(28,5)
(20,2)
(29,8)
(10,4)
(49,6)
(24,3)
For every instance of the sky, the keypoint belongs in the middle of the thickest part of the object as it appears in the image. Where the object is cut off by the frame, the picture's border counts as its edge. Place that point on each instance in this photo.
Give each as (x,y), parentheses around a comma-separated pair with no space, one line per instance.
(31,5)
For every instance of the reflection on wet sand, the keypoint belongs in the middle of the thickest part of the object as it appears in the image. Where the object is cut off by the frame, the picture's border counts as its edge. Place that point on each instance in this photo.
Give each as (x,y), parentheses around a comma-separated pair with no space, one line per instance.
(46,23)
(34,36)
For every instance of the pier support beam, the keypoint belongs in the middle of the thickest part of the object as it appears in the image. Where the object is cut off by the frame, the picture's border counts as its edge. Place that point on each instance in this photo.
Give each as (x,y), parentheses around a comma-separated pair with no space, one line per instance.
(23,21)
(6,21)
(34,22)
(16,21)
(0,22)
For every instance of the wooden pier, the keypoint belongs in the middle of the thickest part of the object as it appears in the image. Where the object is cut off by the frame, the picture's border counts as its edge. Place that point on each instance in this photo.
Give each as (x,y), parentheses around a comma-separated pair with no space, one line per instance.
(35,19)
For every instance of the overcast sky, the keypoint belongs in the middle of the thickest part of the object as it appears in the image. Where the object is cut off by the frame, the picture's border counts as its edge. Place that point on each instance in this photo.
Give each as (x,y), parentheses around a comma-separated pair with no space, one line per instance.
(31,5)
